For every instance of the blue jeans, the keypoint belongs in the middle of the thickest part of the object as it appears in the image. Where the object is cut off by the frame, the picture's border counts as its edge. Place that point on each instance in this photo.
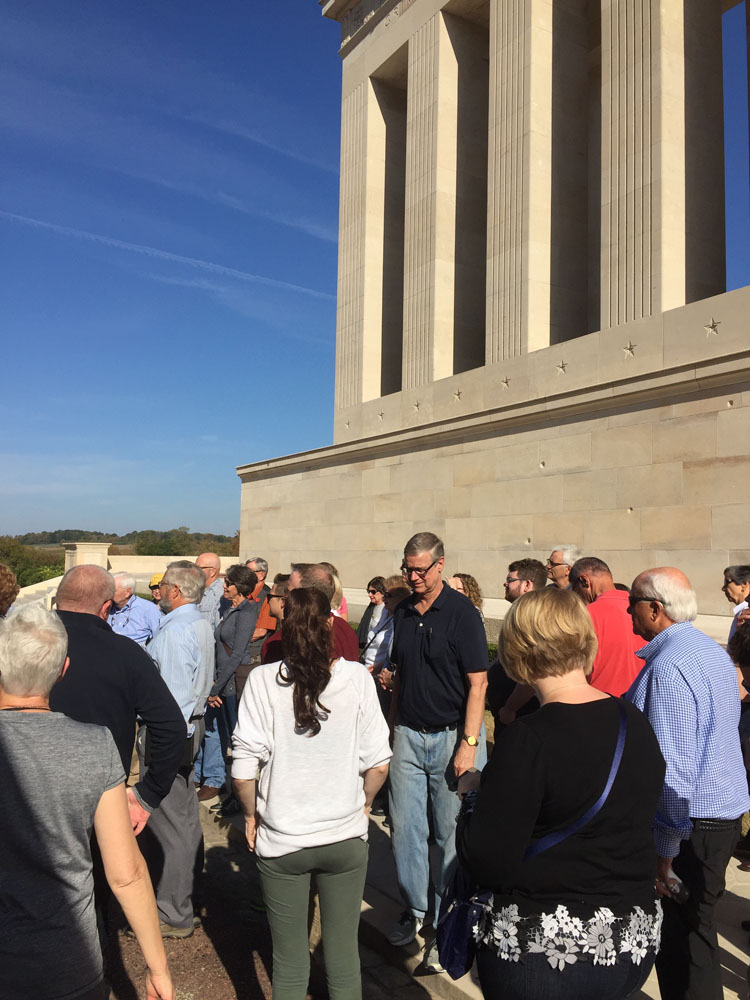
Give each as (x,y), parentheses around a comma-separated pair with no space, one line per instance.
(220,722)
(533,977)
(421,772)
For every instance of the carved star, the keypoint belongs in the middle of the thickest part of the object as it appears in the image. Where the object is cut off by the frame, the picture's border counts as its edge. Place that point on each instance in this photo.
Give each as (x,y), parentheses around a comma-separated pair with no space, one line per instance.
(457,395)
(416,406)
(711,328)
(505,383)
(347,424)
(381,415)
(561,368)
(630,349)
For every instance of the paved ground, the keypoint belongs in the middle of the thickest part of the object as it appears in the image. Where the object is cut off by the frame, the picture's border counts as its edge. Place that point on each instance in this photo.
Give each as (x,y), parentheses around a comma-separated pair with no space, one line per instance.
(229,957)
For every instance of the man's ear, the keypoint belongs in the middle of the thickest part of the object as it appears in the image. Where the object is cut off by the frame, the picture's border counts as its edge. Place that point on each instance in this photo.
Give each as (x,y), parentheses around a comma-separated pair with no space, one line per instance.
(64,670)
(103,611)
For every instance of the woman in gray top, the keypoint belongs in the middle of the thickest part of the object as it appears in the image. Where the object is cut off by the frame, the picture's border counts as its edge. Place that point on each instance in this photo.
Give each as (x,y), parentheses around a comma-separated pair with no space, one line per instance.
(61,779)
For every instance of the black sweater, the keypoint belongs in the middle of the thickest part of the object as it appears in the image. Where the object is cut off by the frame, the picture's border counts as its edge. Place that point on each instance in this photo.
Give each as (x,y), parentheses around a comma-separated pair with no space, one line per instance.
(110,681)
(546,770)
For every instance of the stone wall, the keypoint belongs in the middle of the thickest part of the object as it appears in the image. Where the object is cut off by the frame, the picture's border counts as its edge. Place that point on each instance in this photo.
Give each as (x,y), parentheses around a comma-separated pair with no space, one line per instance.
(642,459)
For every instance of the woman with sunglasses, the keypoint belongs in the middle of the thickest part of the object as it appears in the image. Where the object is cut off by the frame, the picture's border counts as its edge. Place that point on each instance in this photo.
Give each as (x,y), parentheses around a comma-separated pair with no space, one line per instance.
(375,592)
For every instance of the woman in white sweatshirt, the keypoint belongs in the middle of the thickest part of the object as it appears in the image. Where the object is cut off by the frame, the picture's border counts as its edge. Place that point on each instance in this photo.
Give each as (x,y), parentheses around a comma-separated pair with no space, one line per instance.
(311,731)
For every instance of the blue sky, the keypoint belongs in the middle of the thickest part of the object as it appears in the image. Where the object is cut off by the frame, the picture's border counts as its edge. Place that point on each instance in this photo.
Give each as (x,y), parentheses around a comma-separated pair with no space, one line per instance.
(168,218)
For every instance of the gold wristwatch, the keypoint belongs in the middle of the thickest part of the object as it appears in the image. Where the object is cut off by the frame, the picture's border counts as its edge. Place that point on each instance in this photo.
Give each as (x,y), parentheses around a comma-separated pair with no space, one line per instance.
(471,740)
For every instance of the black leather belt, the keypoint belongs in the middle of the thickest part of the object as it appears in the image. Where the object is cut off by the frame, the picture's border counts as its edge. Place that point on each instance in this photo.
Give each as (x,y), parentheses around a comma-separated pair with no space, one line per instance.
(714,824)
(436,729)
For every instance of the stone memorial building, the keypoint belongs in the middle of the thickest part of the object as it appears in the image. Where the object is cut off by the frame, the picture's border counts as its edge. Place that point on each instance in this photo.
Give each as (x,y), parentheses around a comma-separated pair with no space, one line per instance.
(534,341)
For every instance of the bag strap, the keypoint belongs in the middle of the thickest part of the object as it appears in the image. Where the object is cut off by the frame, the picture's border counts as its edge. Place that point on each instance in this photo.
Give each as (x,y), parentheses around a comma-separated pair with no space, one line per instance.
(376,632)
(552,839)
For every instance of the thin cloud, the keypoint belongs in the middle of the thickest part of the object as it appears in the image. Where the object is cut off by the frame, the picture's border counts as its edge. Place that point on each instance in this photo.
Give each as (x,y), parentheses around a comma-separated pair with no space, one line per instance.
(154,252)
(234,128)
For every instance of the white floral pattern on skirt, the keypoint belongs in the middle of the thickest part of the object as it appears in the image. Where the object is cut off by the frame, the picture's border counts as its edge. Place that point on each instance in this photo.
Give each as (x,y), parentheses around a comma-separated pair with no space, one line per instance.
(602,939)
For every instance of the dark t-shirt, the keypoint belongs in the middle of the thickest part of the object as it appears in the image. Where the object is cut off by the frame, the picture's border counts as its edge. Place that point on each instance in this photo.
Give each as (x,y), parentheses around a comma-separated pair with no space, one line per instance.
(546,771)
(433,653)
(54,772)
(500,687)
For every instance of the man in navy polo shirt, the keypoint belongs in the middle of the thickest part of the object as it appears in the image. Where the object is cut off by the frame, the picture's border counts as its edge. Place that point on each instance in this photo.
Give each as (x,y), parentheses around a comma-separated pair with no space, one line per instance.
(440,656)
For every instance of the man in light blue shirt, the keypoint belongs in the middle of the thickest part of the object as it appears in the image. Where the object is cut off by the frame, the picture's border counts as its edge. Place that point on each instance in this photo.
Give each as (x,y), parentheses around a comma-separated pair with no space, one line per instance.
(688,690)
(210,565)
(131,615)
(183,651)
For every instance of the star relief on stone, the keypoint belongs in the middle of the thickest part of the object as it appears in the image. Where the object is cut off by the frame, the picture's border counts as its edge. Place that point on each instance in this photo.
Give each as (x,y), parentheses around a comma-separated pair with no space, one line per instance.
(712,328)
(560,369)
(347,424)
(381,414)
(505,382)
(457,395)
(629,349)
(417,406)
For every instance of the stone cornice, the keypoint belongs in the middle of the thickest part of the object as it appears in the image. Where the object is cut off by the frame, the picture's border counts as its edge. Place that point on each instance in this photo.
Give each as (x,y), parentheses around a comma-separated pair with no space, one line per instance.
(653,388)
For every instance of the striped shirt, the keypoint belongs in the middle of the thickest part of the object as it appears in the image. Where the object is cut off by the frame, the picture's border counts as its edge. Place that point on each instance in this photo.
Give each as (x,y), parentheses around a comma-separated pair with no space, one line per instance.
(688,691)
(183,650)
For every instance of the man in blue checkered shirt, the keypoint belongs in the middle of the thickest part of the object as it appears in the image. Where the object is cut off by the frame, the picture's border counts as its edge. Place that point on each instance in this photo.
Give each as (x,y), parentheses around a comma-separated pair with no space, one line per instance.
(688,690)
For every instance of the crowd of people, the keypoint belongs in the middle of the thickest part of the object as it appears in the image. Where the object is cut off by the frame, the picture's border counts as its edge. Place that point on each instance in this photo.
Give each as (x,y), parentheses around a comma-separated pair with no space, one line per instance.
(597,835)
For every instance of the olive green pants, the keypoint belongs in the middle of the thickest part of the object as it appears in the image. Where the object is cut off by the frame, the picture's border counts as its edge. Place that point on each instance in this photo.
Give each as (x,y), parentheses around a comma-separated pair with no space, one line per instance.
(339,871)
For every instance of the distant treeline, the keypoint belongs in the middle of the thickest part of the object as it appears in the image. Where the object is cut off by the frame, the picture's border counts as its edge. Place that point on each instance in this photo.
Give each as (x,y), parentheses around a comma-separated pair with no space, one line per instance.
(37,555)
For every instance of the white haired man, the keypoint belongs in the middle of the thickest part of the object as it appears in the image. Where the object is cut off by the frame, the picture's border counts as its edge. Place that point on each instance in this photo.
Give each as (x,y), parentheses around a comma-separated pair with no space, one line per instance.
(561,558)
(183,651)
(688,691)
(131,615)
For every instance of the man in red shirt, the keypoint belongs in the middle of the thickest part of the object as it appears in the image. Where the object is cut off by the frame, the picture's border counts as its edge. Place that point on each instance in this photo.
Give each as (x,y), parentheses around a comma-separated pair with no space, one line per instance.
(615,666)
(345,642)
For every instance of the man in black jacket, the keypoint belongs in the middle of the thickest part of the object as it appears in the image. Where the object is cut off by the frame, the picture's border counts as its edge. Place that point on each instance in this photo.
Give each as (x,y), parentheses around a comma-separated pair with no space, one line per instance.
(113,682)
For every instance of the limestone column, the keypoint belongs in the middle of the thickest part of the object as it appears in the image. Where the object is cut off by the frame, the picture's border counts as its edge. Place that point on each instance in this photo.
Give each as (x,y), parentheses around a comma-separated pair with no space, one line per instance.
(519,181)
(360,269)
(662,156)
(430,205)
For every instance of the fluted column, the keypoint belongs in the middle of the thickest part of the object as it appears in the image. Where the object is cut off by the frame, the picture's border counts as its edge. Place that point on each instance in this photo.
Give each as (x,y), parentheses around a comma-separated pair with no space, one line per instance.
(662,156)
(360,273)
(519,181)
(430,206)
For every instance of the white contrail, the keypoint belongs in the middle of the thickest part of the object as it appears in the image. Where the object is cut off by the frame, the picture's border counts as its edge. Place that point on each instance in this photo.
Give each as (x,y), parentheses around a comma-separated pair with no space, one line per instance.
(203,265)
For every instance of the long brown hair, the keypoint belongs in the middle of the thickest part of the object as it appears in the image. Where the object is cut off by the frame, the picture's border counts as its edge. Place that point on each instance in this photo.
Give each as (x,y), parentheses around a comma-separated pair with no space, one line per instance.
(308,651)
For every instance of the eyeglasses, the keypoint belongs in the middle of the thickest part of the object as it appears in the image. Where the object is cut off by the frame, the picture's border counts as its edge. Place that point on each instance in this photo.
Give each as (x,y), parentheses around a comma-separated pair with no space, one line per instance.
(279,597)
(408,570)
(374,591)
(552,565)
(632,601)
(512,579)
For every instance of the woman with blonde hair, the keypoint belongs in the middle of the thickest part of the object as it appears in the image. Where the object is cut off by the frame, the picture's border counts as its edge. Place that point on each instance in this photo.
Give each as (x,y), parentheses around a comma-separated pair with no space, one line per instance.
(561,831)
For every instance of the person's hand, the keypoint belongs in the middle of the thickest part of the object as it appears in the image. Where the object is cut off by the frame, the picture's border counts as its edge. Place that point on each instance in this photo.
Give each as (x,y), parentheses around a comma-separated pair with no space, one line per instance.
(505,716)
(367,810)
(159,986)
(214,701)
(743,616)
(138,815)
(468,782)
(464,758)
(385,678)
(663,867)
(251,830)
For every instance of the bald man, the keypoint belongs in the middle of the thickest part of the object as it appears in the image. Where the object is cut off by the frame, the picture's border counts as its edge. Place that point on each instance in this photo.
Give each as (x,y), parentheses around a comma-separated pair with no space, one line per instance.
(112,682)
(688,691)
(210,565)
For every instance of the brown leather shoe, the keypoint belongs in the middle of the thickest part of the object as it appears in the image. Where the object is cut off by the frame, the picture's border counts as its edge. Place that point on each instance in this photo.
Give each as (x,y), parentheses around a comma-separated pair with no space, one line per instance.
(208,792)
